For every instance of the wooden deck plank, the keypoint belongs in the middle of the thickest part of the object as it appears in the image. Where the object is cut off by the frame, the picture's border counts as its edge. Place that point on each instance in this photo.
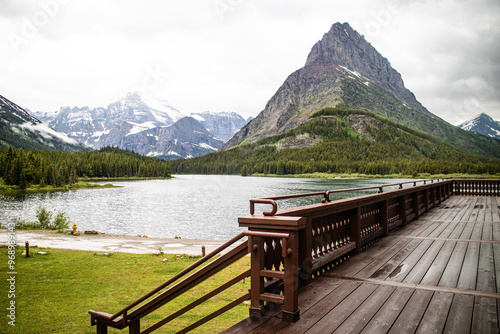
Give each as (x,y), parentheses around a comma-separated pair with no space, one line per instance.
(342,311)
(358,320)
(422,266)
(496,258)
(435,271)
(364,259)
(436,314)
(410,261)
(452,270)
(376,264)
(389,312)
(468,274)
(409,319)
(394,265)
(460,316)
(309,318)
(485,319)
(486,269)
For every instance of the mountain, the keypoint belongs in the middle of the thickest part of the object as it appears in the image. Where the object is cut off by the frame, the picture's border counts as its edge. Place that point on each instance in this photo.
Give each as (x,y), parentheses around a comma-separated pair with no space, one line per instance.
(484,125)
(343,69)
(343,140)
(146,125)
(100,127)
(186,138)
(223,125)
(21,130)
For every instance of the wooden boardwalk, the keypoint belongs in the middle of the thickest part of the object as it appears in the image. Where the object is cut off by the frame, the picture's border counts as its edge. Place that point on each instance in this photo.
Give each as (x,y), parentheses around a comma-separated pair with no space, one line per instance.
(439,274)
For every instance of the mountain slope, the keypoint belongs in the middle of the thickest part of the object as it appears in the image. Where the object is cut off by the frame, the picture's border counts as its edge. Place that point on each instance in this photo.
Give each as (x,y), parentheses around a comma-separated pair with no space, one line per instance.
(344,69)
(483,124)
(223,125)
(343,140)
(21,130)
(186,138)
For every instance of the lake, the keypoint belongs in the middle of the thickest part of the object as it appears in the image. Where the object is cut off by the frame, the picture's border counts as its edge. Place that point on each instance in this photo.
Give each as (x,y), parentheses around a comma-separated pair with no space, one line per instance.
(187,206)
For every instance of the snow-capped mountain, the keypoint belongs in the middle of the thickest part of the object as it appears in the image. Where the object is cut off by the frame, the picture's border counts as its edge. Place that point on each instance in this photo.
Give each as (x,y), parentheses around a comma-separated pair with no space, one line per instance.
(99,127)
(145,125)
(21,130)
(484,125)
(223,125)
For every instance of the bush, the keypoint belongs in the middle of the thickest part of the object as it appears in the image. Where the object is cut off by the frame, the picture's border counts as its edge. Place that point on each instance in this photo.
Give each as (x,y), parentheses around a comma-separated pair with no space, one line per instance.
(44,216)
(61,221)
(45,222)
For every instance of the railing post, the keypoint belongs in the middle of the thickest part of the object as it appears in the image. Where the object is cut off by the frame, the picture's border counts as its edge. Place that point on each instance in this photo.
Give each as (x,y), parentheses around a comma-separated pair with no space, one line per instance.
(356,229)
(135,327)
(426,199)
(415,204)
(402,210)
(384,220)
(102,328)
(291,304)
(305,251)
(256,245)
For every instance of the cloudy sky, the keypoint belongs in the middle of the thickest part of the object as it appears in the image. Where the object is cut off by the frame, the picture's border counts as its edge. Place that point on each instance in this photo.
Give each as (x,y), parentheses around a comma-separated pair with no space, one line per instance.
(232,55)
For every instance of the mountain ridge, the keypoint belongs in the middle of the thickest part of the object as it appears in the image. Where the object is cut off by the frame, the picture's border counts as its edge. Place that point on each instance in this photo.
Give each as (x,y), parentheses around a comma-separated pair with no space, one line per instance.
(344,69)
(482,124)
(140,124)
(19,129)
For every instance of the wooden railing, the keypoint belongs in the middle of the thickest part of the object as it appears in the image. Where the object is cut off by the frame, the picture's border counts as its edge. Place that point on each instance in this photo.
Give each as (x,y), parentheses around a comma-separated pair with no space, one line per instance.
(292,246)
(335,229)
(477,187)
(261,245)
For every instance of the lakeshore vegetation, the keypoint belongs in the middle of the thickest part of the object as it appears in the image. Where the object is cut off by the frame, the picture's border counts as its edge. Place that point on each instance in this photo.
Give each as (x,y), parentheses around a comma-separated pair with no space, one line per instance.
(22,169)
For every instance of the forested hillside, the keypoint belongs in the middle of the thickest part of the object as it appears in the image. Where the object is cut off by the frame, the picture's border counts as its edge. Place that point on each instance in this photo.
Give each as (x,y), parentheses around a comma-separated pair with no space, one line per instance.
(34,168)
(342,140)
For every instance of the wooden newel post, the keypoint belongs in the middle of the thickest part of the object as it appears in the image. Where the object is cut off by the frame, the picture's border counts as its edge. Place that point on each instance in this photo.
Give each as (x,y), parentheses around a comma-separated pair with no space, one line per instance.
(290,247)
(256,249)
(291,258)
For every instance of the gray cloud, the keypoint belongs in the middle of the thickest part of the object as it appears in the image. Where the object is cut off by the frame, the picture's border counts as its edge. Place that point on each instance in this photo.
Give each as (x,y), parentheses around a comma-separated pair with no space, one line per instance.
(233,55)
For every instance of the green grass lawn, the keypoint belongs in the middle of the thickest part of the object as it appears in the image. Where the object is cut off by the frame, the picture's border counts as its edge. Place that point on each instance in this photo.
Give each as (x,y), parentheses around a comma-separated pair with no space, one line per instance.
(54,292)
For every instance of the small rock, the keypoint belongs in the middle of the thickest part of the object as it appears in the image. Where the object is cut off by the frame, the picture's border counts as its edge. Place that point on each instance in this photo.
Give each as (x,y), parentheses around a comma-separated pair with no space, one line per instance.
(42,253)
(165,260)
(179,256)
(91,232)
(103,254)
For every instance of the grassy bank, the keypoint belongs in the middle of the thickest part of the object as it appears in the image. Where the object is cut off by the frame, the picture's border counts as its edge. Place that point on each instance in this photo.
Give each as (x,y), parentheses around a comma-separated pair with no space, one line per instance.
(55,291)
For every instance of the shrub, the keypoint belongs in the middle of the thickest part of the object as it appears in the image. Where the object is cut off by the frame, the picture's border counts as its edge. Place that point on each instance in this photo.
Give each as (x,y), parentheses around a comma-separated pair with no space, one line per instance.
(61,221)
(44,216)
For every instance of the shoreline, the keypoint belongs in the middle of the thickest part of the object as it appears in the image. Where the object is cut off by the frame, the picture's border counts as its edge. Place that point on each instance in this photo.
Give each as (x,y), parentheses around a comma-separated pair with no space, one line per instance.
(111,243)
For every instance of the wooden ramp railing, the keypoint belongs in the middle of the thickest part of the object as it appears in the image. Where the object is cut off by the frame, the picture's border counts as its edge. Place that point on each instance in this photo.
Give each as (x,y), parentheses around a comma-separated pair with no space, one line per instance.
(131,315)
(291,247)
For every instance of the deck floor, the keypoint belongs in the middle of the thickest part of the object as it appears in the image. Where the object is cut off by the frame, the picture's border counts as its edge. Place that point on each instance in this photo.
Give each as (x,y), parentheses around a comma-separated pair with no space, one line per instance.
(440,274)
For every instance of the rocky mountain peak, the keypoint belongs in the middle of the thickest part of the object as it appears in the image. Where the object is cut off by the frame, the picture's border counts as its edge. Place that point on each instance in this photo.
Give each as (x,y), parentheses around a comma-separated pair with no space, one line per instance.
(342,68)
(483,124)
(345,47)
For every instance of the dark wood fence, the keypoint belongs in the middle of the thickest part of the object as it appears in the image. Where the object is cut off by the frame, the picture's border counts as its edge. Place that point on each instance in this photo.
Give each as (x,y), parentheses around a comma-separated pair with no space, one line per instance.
(293,246)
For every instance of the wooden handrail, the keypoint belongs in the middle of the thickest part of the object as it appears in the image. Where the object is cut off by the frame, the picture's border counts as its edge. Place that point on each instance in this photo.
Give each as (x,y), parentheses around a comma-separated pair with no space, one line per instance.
(157,298)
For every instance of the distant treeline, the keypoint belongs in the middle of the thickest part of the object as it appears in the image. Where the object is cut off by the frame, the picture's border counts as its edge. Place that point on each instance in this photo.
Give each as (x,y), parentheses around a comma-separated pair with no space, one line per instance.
(385,148)
(35,168)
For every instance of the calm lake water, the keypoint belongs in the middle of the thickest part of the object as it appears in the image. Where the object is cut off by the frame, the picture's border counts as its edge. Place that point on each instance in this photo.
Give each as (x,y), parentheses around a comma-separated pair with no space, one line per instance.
(189,206)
